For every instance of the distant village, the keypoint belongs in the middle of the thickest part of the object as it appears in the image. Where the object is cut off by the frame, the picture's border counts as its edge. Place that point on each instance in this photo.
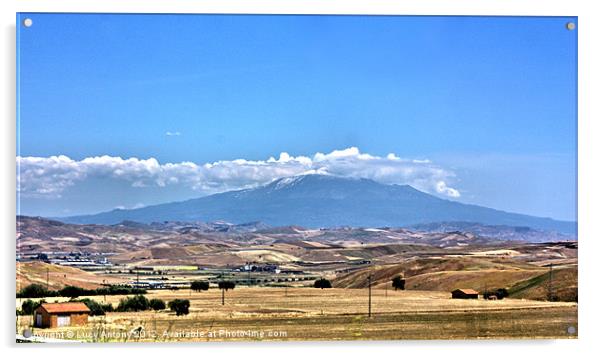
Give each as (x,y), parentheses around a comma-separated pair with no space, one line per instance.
(155,277)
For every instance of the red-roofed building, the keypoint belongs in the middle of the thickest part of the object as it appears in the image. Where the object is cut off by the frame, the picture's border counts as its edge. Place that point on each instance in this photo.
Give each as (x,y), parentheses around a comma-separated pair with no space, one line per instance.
(52,315)
(465,294)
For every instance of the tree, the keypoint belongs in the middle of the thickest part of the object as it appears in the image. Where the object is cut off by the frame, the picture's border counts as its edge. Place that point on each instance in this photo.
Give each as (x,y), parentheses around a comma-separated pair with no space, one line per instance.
(198,286)
(107,308)
(39,291)
(499,293)
(95,307)
(29,306)
(226,285)
(322,283)
(502,293)
(156,304)
(137,303)
(180,306)
(117,290)
(398,283)
(74,292)
(35,291)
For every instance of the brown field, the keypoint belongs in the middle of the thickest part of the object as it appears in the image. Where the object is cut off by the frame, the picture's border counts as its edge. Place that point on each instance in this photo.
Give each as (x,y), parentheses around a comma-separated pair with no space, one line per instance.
(432,263)
(446,273)
(59,276)
(330,314)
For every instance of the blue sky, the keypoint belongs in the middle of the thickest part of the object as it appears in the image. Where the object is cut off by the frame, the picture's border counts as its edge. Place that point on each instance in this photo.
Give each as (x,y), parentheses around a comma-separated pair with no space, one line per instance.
(489,102)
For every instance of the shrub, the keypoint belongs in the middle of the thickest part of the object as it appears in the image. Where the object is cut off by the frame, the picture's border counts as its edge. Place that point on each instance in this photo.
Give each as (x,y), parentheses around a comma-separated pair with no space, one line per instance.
(74,292)
(226,285)
(398,283)
(95,307)
(35,291)
(198,286)
(39,291)
(322,283)
(107,308)
(119,290)
(137,303)
(156,304)
(180,306)
(500,293)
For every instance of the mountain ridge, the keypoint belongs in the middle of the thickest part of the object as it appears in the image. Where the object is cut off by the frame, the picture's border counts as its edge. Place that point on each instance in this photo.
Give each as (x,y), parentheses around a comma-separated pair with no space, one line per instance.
(315,200)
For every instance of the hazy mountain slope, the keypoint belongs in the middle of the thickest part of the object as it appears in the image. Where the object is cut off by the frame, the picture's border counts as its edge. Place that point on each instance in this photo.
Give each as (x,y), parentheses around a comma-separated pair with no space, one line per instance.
(324,201)
(501,232)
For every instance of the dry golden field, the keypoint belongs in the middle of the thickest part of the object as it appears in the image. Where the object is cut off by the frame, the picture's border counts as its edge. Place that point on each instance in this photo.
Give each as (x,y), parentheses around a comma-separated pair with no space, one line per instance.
(59,276)
(331,314)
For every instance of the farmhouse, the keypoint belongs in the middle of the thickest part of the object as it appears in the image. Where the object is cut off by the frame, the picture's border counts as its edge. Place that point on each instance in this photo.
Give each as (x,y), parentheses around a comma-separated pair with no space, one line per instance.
(465,294)
(52,315)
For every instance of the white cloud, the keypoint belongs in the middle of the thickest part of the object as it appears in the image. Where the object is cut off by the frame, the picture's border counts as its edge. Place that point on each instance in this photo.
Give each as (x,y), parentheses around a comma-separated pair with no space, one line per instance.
(444,189)
(135,206)
(169,133)
(51,176)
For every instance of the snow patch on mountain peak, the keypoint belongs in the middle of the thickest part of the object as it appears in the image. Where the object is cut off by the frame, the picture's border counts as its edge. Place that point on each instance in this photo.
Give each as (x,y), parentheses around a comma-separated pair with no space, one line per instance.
(287,182)
(296,179)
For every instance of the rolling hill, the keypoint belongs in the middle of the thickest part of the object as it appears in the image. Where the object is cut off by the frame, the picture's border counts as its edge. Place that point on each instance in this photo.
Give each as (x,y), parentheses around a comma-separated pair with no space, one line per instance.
(523,280)
(59,276)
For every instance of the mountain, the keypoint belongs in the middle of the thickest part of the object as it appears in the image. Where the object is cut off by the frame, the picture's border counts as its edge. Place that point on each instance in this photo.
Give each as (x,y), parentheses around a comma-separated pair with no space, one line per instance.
(498,232)
(195,226)
(324,201)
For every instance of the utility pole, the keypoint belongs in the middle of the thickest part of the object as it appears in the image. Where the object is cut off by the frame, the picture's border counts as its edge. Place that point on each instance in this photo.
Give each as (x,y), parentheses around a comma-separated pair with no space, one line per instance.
(369,296)
(550,284)
(47,279)
(223,292)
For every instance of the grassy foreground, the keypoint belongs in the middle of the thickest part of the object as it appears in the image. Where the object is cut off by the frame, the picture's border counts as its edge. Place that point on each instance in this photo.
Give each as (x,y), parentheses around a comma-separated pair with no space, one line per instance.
(329,314)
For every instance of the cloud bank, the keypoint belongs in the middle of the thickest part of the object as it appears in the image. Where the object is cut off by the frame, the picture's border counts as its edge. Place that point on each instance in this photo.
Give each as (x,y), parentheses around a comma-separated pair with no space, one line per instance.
(50,176)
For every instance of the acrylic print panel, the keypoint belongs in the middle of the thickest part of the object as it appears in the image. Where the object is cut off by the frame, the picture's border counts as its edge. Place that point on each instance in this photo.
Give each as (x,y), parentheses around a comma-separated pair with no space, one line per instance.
(248,177)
